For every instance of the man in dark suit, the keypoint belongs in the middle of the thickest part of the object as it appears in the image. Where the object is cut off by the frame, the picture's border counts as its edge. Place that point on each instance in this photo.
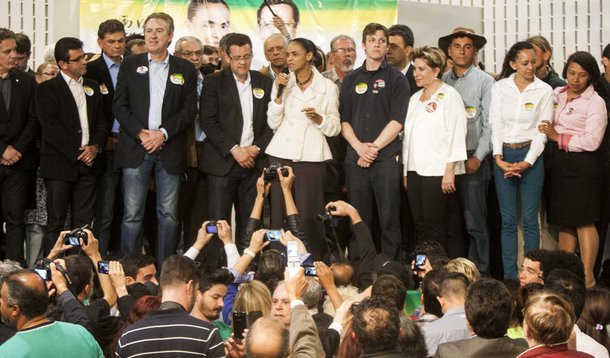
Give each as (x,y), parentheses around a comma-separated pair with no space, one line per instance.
(401,42)
(155,103)
(488,311)
(233,115)
(105,70)
(18,129)
(74,131)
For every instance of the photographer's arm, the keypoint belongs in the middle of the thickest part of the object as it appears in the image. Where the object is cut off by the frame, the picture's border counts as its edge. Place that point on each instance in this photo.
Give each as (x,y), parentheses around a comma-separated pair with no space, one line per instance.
(59,246)
(202,239)
(327,281)
(257,243)
(125,301)
(91,249)
(255,222)
(73,310)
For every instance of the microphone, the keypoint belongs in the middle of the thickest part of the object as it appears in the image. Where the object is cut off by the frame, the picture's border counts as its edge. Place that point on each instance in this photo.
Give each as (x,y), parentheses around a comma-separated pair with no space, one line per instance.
(280,88)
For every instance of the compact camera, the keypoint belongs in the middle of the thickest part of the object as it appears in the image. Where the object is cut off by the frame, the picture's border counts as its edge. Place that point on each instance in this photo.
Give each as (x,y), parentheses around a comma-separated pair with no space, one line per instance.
(271,173)
(74,236)
(327,218)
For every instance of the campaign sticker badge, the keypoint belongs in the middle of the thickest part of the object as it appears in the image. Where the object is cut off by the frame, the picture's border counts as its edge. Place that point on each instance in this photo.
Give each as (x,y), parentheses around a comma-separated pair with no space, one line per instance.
(379,83)
(440,96)
(431,107)
(258,92)
(555,105)
(471,112)
(142,70)
(103,88)
(529,106)
(88,90)
(177,78)
(361,88)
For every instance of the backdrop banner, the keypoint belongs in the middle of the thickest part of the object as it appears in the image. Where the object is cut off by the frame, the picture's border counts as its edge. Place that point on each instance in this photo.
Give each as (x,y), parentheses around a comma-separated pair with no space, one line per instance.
(317,20)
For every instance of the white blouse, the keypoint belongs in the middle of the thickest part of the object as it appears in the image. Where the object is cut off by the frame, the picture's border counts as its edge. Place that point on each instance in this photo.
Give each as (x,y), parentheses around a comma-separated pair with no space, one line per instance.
(514,116)
(297,137)
(435,133)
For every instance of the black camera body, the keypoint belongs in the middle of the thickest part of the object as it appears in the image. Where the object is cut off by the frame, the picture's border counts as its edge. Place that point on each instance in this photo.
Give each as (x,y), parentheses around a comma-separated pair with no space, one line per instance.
(74,236)
(211,227)
(42,266)
(271,173)
(327,218)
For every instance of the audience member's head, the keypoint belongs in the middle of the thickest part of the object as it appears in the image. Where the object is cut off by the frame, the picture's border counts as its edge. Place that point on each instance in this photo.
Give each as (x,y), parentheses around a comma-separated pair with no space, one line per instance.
(46,71)
(382,265)
(268,338)
(7,267)
(567,283)
(24,297)
(548,319)
(595,316)
(411,342)
(390,287)
(342,273)
(313,294)
(23,51)
(212,292)
(271,268)
(139,268)
(179,281)
(488,308)
(561,260)
(135,47)
(140,308)
(350,347)
(464,266)
(376,324)
(531,268)
(430,290)
(80,271)
(281,304)
(453,291)
(521,294)
(253,296)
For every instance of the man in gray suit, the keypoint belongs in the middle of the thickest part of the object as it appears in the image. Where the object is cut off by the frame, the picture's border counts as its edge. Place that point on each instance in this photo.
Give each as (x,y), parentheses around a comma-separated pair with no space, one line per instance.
(488,310)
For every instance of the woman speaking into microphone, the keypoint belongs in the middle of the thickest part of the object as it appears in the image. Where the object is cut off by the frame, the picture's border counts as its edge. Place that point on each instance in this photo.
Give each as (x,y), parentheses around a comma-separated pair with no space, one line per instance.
(303,111)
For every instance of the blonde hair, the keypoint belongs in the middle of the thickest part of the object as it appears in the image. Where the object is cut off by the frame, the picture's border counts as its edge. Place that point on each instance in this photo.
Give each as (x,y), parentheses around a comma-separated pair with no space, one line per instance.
(464,266)
(433,56)
(253,296)
(549,318)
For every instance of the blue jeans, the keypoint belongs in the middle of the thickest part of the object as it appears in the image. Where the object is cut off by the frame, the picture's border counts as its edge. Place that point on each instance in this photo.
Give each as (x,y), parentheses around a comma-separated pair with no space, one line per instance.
(529,188)
(472,193)
(106,194)
(135,189)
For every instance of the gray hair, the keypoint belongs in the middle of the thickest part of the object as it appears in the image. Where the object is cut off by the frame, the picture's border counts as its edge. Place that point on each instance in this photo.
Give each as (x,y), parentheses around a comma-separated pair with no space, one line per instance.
(183,39)
(341,37)
(313,293)
(273,36)
(7,267)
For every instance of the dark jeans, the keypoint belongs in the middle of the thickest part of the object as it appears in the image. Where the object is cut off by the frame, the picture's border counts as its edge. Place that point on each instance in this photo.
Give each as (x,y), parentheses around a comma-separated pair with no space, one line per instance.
(428,203)
(378,185)
(78,195)
(13,188)
(472,192)
(236,188)
(106,195)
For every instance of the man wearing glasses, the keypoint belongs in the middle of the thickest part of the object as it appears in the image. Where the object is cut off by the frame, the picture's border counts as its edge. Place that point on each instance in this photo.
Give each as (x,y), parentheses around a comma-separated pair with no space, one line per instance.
(74,132)
(233,115)
(283,19)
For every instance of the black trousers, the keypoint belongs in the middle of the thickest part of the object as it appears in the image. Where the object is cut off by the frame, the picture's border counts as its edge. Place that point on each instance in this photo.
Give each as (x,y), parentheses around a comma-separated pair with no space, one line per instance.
(13,191)
(193,204)
(78,195)
(308,191)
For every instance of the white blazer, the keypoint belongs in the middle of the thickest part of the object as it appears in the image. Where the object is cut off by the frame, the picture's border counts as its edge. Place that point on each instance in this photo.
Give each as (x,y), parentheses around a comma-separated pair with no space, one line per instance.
(297,137)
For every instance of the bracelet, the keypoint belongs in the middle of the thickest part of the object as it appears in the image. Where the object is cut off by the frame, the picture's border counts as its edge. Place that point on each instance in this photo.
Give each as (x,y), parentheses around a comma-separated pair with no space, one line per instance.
(249,252)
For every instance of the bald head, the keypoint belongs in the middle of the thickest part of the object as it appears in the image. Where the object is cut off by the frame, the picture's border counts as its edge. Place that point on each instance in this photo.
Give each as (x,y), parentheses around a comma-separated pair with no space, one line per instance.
(342,273)
(267,338)
(23,296)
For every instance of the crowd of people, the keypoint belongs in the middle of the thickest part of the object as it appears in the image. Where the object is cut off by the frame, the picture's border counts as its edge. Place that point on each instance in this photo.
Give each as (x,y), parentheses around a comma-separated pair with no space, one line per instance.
(348,186)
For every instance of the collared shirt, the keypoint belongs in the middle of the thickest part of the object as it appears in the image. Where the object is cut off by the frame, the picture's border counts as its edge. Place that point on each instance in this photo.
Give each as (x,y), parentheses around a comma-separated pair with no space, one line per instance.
(369,100)
(474,86)
(158,72)
(514,115)
(78,92)
(113,68)
(5,89)
(199,135)
(247,109)
(406,69)
(451,327)
(581,123)
(333,76)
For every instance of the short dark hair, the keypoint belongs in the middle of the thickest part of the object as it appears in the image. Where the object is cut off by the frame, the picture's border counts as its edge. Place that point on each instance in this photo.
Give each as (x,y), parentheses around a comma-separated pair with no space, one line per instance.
(214,277)
(392,288)
(535,255)
(6,34)
(404,31)
(431,289)
(454,285)
(194,5)
(208,50)
(80,270)
(24,45)
(237,39)
(488,308)
(376,324)
(431,247)
(270,270)
(372,28)
(553,260)
(567,283)
(31,300)
(411,342)
(293,6)
(161,16)
(63,47)
(110,27)
(178,269)
(132,263)
(606,52)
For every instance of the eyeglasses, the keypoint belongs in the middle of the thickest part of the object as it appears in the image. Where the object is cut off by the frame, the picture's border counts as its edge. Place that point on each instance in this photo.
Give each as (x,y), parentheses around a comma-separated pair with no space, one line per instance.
(342,50)
(191,53)
(245,58)
(269,25)
(78,59)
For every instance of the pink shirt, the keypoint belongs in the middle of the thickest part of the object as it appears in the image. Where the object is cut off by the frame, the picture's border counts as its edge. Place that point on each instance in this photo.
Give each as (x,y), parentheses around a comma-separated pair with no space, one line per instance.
(581,123)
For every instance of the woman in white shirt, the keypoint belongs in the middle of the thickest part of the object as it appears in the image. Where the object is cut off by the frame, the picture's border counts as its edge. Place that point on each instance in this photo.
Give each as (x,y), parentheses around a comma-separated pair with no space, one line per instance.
(302,116)
(434,144)
(519,103)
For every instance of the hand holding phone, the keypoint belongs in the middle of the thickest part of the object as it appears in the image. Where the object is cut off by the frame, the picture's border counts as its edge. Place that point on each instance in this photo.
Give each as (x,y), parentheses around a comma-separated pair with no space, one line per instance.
(240,322)
(103,267)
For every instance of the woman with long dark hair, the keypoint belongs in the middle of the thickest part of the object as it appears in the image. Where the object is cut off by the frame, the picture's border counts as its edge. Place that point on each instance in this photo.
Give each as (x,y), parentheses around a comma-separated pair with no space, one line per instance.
(519,104)
(575,135)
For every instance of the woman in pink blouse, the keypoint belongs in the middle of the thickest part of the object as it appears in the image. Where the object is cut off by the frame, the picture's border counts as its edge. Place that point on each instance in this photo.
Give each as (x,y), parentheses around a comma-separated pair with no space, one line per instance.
(574,138)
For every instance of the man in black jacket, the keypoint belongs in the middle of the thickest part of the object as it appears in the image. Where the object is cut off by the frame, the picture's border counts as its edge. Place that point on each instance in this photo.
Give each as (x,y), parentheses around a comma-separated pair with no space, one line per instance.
(74,132)
(18,129)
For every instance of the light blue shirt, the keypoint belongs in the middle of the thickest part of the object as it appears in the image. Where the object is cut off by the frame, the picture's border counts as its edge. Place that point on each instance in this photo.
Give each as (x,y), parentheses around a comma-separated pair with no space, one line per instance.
(113,68)
(157,76)
(451,327)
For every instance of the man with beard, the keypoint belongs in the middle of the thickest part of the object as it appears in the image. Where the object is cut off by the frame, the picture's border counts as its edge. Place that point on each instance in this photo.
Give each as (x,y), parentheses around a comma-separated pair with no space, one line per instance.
(210,299)
(23,305)
(343,57)
(275,53)
(171,328)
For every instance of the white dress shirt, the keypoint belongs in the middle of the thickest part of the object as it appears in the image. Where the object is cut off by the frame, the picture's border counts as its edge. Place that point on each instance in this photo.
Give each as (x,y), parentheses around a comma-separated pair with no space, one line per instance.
(247,109)
(514,116)
(435,133)
(78,92)
(297,137)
